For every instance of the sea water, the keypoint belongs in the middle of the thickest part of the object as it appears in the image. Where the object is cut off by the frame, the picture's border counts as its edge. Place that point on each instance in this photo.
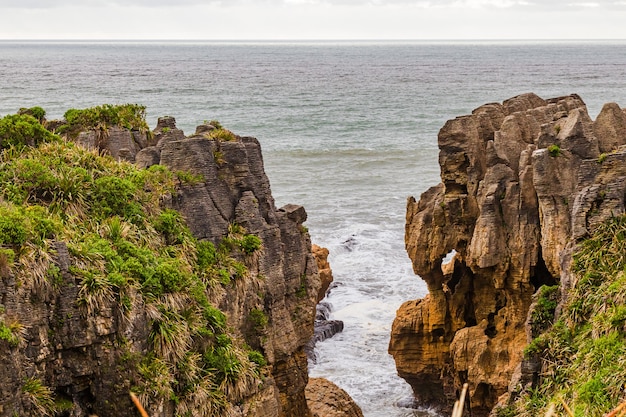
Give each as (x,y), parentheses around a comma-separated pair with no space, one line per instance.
(348,129)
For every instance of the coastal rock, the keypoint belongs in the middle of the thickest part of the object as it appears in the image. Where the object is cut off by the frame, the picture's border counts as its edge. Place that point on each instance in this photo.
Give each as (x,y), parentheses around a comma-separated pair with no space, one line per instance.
(610,127)
(326,399)
(120,143)
(520,182)
(80,358)
(326,274)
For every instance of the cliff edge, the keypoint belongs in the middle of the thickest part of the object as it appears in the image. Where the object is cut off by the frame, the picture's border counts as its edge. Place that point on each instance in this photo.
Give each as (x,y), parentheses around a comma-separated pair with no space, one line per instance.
(148,261)
(522,182)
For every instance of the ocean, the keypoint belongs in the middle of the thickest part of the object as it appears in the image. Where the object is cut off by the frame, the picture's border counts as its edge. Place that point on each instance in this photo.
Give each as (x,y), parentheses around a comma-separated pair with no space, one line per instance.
(348,130)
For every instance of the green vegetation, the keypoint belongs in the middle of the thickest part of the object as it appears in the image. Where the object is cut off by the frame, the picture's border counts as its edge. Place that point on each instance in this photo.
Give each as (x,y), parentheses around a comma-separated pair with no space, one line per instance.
(11,333)
(39,396)
(37,112)
(222,135)
(129,116)
(19,130)
(216,124)
(584,352)
(258,319)
(543,314)
(126,250)
(554,150)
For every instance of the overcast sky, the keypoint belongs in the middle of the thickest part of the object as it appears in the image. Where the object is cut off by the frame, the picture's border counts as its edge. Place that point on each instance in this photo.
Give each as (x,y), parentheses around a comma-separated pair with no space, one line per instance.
(312,19)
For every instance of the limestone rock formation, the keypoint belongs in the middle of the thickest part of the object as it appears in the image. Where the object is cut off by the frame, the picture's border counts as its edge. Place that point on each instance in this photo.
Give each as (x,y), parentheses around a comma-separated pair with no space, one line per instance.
(326,274)
(328,400)
(78,359)
(521,181)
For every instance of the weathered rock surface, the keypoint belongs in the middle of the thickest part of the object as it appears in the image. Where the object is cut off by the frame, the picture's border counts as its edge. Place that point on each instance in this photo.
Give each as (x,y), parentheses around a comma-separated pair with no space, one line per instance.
(326,274)
(326,399)
(80,358)
(521,181)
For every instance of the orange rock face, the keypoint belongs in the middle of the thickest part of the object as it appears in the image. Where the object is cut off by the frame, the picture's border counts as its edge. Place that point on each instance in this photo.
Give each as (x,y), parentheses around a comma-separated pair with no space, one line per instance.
(512,174)
(326,274)
(326,399)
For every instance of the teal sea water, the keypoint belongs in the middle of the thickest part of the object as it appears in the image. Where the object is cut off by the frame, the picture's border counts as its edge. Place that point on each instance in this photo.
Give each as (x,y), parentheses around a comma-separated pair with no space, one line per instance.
(348,129)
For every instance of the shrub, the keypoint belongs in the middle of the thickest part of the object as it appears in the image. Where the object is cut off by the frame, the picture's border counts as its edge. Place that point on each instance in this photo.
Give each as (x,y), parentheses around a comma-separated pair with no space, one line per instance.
(250,244)
(543,313)
(257,357)
(129,116)
(13,230)
(222,135)
(206,255)
(258,319)
(21,130)
(114,196)
(37,112)
(584,351)
(10,333)
(170,276)
(554,150)
(172,226)
(216,124)
(215,319)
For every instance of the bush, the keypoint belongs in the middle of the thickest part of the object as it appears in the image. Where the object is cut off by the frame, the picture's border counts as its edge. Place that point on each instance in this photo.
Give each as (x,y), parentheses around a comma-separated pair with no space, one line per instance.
(37,112)
(258,319)
(10,334)
(114,196)
(22,130)
(554,150)
(13,229)
(222,135)
(250,244)
(129,116)
(257,357)
(206,255)
(172,226)
(543,314)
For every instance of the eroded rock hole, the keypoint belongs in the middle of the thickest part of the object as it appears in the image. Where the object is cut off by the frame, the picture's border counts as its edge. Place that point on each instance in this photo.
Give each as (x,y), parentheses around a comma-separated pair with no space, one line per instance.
(540,274)
(437,334)
(491,331)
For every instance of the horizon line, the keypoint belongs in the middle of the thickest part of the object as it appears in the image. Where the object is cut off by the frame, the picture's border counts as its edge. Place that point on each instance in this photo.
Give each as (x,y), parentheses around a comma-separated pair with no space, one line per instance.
(278,40)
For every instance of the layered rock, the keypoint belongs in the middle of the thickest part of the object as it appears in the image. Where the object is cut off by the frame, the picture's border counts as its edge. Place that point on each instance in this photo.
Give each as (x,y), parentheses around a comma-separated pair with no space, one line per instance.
(520,182)
(81,360)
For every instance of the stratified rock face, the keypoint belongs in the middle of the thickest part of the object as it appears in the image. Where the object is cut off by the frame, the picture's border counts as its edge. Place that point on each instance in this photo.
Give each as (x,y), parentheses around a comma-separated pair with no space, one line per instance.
(328,400)
(79,359)
(518,179)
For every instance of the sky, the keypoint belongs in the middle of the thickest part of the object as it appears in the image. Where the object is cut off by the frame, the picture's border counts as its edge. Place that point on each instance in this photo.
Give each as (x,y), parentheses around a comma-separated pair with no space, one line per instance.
(312,19)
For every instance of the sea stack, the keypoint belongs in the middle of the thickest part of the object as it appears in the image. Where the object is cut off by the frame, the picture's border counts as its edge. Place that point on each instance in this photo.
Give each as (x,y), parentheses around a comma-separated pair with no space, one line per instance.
(522,180)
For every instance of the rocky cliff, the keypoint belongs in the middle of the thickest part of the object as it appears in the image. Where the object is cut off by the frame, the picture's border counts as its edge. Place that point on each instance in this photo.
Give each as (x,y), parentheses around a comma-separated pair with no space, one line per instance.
(522,181)
(176,278)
